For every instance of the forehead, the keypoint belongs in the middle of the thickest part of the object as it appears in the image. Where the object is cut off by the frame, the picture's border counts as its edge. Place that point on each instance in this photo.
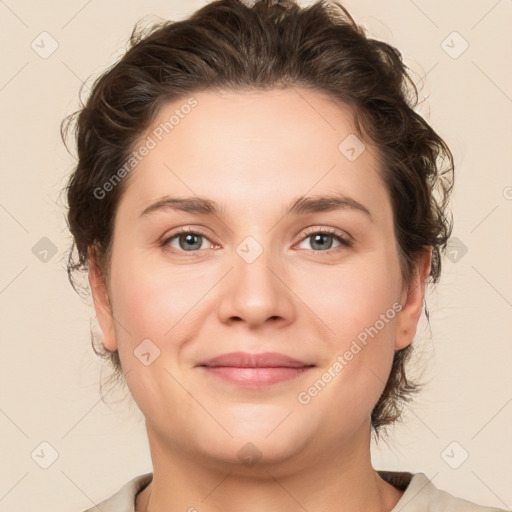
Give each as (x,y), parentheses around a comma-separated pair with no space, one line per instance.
(248,149)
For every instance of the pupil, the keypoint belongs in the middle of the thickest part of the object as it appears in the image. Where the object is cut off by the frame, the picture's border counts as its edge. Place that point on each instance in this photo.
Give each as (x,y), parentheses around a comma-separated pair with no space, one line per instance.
(322,246)
(189,238)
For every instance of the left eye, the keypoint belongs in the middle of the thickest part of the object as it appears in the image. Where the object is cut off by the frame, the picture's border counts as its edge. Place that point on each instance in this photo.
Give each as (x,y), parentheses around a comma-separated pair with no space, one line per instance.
(319,240)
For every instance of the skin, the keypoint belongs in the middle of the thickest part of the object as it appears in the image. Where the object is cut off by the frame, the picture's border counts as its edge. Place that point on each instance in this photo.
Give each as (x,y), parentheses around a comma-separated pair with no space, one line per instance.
(254,153)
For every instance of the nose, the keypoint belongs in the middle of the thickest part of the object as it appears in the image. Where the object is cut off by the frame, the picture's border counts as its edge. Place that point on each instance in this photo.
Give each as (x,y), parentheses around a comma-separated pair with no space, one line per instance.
(256,292)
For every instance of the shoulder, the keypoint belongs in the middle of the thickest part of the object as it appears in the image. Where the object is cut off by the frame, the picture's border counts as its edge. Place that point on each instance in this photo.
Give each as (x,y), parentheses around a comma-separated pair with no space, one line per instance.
(124,499)
(421,495)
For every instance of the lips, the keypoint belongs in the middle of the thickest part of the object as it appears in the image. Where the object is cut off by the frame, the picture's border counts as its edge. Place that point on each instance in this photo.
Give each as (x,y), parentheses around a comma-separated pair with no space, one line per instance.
(247,360)
(254,370)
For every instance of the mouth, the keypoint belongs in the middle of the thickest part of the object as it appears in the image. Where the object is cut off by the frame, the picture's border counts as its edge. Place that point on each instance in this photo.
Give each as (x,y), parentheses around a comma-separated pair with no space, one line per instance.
(256,377)
(255,370)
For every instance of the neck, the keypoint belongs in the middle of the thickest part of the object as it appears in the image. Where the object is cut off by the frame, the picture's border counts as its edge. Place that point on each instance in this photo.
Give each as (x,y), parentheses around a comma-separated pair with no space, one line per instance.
(340,478)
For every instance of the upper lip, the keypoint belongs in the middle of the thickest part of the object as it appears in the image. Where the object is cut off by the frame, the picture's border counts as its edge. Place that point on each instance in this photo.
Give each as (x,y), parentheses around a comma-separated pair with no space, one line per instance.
(247,360)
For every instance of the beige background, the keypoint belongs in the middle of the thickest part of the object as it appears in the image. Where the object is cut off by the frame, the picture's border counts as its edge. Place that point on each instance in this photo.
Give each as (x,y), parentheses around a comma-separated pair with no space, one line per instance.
(49,374)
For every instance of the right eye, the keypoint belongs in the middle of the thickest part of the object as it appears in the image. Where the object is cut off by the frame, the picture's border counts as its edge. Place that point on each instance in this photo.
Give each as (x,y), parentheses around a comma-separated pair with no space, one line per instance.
(187,240)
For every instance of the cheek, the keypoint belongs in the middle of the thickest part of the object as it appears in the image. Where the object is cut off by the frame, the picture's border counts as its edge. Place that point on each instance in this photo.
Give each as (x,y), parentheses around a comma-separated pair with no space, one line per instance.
(359,303)
(352,297)
(154,301)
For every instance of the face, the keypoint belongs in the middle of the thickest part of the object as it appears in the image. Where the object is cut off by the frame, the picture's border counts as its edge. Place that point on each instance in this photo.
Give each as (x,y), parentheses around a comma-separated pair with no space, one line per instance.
(318,282)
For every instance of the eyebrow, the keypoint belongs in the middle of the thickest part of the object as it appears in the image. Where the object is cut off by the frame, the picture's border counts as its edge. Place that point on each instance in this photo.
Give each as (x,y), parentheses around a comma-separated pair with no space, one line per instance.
(301,205)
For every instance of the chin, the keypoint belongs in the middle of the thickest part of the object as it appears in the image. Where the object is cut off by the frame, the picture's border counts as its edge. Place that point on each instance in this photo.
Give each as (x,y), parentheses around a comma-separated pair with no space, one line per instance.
(253,443)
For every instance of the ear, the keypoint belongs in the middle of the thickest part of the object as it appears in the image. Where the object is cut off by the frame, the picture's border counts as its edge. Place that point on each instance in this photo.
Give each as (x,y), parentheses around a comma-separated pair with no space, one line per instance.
(412,301)
(101,301)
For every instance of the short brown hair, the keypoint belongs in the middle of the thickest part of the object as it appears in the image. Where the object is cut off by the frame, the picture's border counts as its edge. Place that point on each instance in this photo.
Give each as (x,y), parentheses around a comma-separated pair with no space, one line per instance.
(235,46)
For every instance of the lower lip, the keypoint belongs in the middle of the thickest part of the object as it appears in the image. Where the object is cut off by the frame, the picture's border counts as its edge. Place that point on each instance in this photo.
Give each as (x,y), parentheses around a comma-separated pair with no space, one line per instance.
(256,377)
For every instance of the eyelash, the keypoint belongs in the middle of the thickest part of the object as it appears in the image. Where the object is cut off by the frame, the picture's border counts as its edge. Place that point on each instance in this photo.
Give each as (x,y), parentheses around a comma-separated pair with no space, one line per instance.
(344,241)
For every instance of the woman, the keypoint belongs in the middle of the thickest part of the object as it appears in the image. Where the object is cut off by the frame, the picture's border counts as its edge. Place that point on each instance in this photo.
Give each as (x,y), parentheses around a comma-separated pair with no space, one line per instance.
(259,210)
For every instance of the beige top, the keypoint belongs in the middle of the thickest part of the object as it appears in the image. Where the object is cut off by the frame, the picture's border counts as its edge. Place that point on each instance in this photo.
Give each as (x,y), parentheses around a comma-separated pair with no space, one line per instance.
(420,496)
